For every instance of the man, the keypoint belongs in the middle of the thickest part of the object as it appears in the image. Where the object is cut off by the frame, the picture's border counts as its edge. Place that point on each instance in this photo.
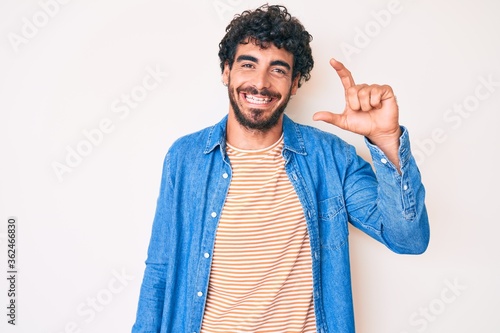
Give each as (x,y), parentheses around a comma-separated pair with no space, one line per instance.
(251,227)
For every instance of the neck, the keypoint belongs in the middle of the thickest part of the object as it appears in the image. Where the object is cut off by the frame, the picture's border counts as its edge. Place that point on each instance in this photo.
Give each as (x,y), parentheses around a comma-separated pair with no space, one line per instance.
(250,139)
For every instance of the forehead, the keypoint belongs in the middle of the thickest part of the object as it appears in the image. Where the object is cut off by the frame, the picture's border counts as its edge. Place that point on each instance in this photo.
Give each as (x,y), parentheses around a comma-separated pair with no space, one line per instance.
(266,55)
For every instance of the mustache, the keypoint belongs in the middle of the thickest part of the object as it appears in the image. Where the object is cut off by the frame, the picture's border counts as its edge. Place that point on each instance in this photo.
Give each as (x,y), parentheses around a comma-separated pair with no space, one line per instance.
(263,92)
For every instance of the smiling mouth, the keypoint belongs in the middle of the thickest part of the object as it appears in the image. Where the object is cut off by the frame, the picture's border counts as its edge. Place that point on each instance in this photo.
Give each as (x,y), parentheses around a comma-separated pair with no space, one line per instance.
(258,100)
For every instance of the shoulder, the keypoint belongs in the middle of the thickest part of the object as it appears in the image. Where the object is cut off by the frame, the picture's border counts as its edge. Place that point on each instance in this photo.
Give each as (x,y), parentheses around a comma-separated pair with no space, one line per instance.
(192,141)
(201,141)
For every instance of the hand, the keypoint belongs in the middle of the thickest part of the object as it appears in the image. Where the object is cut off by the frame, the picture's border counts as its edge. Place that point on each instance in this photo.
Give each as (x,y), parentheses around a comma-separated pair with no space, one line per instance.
(371,110)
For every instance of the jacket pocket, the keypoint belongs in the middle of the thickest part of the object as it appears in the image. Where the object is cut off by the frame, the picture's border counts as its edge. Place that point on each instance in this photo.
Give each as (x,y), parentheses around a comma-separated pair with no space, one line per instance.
(332,223)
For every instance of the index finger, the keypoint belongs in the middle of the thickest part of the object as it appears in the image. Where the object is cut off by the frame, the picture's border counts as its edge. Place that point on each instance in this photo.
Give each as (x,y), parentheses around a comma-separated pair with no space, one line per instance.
(343,73)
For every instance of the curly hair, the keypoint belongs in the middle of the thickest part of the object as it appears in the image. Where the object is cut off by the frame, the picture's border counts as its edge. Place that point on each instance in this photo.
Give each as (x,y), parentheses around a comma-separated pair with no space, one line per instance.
(269,24)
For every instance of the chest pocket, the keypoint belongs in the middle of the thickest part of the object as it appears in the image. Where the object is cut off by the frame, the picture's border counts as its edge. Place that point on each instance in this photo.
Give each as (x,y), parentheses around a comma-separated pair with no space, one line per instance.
(332,223)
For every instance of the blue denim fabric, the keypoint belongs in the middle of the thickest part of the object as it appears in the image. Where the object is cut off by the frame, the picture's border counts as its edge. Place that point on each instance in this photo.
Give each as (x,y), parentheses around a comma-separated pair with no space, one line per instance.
(335,187)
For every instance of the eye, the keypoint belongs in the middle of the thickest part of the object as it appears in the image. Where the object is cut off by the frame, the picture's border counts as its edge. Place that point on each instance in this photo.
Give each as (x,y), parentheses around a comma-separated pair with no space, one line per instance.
(247,65)
(280,71)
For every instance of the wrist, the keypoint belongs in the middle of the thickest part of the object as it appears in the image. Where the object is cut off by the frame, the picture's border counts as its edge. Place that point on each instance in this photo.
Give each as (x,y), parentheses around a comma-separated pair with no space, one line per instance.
(389,145)
(386,140)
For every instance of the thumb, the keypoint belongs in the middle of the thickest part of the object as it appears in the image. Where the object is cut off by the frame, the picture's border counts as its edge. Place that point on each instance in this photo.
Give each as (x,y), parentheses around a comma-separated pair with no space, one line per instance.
(329,117)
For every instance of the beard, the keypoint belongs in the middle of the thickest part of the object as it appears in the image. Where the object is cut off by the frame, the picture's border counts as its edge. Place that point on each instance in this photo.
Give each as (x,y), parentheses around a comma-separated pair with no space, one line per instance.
(256,121)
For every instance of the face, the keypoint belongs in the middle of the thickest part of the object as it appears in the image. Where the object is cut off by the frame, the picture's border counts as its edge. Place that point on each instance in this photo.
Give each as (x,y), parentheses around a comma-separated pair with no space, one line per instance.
(260,84)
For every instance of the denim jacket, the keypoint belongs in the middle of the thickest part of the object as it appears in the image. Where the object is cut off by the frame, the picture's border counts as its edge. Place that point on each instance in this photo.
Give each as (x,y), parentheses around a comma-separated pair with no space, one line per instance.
(335,186)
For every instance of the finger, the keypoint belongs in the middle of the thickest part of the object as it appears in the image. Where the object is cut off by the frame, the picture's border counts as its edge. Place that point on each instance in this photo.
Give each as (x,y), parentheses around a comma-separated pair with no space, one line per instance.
(329,117)
(379,94)
(343,73)
(365,98)
(353,97)
(376,97)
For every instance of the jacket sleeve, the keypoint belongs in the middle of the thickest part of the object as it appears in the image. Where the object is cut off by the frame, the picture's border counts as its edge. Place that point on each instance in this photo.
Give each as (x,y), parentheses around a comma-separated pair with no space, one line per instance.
(152,294)
(387,205)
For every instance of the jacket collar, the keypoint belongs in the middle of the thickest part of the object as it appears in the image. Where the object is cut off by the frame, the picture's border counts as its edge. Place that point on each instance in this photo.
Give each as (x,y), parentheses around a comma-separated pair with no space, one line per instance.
(292,137)
(217,137)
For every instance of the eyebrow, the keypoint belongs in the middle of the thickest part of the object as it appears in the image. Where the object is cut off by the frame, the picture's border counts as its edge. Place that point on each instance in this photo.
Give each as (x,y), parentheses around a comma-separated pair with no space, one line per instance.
(245,57)
(281,63)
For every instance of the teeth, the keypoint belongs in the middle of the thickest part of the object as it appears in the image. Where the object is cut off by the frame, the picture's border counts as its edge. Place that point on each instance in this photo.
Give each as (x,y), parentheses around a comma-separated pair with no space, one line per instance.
(257,100)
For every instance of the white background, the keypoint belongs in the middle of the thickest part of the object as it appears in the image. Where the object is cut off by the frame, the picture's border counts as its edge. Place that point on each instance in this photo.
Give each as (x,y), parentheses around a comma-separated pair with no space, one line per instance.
(83,234)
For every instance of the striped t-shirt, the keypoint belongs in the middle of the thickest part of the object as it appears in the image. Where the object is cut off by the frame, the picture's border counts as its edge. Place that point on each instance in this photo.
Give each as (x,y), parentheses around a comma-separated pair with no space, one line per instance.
(261,278)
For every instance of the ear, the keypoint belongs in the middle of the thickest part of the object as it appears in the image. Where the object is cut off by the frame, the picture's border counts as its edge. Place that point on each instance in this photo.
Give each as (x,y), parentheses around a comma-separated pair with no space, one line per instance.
(295,84)
(225,73)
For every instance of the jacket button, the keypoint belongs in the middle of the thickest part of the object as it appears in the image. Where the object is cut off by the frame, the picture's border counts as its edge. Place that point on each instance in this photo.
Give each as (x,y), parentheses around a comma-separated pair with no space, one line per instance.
(214,214)
(225,175)
(199,294)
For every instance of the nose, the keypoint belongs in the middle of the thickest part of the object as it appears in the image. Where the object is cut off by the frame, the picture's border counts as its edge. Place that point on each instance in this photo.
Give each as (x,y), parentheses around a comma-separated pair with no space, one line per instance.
(261,80)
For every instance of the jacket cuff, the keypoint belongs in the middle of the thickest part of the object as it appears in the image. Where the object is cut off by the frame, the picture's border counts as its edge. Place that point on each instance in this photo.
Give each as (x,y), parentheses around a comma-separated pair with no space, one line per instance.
(404,152)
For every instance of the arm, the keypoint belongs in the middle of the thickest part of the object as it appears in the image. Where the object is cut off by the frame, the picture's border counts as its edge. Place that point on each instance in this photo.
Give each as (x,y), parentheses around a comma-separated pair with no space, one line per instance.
(152,295)
(390,206)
